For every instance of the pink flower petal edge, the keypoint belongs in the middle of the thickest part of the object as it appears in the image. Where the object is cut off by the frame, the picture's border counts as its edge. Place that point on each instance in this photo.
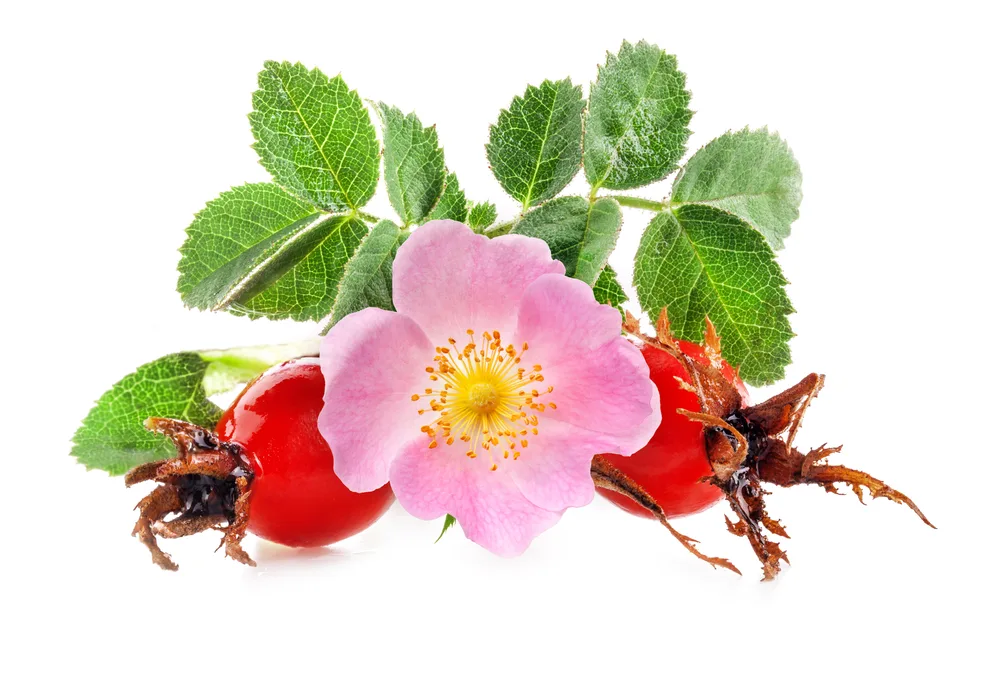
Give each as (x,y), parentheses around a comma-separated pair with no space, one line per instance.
(488,506)
(449,279)
(372,361)
(601,380)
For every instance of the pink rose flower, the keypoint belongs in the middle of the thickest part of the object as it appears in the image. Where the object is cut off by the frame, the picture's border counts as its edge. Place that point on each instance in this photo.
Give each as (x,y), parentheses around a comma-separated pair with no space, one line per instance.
(488,391)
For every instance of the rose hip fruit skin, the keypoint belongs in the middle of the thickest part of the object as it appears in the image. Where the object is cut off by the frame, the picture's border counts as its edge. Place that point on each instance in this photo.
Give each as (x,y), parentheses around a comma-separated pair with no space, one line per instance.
(296,498)
(673,465)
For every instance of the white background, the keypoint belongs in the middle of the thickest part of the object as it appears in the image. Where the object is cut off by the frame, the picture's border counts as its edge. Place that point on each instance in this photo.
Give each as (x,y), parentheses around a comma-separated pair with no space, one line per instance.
(119,122)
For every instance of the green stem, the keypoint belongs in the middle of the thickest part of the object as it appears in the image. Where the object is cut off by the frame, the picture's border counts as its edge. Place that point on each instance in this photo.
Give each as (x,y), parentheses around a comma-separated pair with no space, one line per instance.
(370,218)
(228,368)
(641,203)
(501,228)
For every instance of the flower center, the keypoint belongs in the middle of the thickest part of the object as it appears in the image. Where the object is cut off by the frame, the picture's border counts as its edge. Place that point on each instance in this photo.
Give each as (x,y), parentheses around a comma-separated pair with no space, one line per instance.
(482,396)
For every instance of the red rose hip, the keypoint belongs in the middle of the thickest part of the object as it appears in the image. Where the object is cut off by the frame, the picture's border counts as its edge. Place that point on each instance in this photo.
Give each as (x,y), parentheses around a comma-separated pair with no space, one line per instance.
(266,469)
(673,467)
(712,445)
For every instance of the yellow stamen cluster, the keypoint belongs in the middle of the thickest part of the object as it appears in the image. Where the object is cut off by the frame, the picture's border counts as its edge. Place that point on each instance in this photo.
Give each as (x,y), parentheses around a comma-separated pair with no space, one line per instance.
(482,396)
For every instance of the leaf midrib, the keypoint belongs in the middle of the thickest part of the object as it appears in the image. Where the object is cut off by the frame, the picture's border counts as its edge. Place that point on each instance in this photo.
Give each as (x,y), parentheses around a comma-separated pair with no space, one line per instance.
(708,276)
(541,149)
(319,147)
(256,270)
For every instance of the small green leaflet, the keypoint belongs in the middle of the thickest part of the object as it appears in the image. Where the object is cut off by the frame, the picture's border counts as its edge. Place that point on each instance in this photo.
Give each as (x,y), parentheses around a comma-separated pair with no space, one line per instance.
(452,204)
(637,118)
(258,251)
(414,164)
(607,290)
(482,215)
(449,520)
(112,436)
(313,134)
(701,261)
(535,147)
(580,234)
(750,173)
(368,276)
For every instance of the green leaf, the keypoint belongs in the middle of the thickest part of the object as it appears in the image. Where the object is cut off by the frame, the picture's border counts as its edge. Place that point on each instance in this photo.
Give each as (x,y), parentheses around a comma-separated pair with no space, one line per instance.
(452,204)
(580,234)
(750,173)
(637,118)
(535,147)
(112,436)
(314,136)
(449,520)
(414,164)
(482,215)
(608,291)
(368,276)
(700,261)
(258,251)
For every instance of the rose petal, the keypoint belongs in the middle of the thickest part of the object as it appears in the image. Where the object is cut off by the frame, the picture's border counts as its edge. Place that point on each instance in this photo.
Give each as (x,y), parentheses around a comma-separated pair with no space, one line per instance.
(600,380)
(553,470)
(450,279)
(487,504)
(373,361)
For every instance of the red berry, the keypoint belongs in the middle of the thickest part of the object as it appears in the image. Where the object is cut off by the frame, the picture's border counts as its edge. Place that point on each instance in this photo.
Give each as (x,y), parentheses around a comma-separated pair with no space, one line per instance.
(297,499)
(673,466)
(266,469)
(712,444)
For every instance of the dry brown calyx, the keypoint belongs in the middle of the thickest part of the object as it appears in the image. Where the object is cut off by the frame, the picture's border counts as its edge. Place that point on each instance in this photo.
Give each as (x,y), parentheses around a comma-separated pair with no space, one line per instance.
(747,447)
(206,487)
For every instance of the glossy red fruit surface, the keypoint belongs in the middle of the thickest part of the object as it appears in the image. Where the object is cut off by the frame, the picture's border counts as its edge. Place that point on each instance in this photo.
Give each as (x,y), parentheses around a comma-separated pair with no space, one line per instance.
(297,499)
(672,465)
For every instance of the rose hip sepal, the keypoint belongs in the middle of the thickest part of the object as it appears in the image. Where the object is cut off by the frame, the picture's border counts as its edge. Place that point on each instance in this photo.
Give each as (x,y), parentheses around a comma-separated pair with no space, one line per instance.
(743,445)
(488,392)
(265,469)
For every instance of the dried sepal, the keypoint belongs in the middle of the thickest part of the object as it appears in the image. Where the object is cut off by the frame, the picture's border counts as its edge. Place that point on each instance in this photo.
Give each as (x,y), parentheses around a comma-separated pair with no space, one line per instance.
(785,410)
(713,345)
(206,487)
(828,475)
(664,334)
(725,458)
